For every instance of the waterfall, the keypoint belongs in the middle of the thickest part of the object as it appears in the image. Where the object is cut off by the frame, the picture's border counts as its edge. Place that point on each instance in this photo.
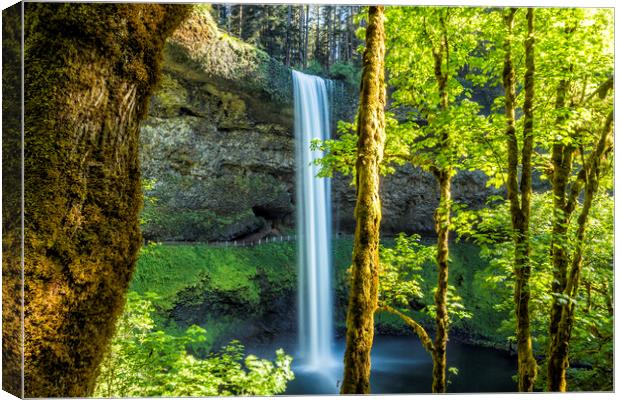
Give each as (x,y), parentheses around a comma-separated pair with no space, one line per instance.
(312,121)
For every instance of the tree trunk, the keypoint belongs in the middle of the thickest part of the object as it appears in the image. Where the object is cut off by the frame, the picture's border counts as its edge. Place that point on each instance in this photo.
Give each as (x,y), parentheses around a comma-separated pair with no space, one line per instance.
(559,342)
(307,28)
(520,212)
(287,40)
(561,157)
(363,294)
(330,36)
(90,70)
(11,200)
(443,174)
(442,224)
(317,37)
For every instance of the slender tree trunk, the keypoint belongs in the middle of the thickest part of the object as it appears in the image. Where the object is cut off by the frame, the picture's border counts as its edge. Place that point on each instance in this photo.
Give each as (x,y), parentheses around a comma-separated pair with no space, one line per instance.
(561,157)
(287,40)
(443,174)
(363,294)
(559,343)
(350,34)
(241,21)
(90,71)
(330,35)
(317,37)
(520,213)
(307,28)
(442,223)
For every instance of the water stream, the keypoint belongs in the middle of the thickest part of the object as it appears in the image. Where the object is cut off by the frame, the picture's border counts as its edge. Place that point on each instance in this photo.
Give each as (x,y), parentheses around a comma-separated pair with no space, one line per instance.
(312,121)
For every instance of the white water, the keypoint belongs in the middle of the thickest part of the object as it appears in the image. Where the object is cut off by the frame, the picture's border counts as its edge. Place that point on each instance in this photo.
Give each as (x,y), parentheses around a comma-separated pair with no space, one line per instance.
(313,224)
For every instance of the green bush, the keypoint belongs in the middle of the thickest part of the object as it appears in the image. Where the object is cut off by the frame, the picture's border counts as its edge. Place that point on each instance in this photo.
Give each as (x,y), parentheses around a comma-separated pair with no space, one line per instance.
(146,362)
(347,72)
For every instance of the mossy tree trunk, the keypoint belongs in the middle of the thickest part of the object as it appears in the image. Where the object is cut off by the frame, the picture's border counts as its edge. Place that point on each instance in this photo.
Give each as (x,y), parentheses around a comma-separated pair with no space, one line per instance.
(363,294)
(520,210)
(11,201)
(90,70)
(562,316)
(443,174)
(442,224)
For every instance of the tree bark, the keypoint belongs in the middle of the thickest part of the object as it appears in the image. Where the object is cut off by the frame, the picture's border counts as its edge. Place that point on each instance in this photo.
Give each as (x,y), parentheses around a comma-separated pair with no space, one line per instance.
(564,311)
(520,211)
(287,40)
(442,224)
(443,174)
(12,337)
(90,70)
(561,157)
(307,28)
(363,294)
(418,329)
(317,38)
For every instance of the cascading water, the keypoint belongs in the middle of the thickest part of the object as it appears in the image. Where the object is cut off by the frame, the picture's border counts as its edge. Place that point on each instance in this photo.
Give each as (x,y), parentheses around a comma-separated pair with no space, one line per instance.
(313,223)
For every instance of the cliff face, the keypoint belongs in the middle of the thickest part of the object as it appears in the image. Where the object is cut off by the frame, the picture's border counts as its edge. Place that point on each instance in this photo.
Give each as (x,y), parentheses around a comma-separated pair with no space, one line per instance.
(218,148)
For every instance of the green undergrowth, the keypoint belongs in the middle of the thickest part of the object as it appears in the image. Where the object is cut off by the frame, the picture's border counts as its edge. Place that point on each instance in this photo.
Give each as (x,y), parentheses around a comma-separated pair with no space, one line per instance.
(168,270)
(234,285)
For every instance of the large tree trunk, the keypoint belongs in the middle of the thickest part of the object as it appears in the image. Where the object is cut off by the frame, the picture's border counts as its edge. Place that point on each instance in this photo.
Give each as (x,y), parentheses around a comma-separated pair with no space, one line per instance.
(89,72)
(363,294)
(520,211)
(11,201)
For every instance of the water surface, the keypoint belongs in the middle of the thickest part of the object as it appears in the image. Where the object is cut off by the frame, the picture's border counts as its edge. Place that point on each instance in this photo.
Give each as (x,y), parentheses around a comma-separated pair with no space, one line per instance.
(401,365)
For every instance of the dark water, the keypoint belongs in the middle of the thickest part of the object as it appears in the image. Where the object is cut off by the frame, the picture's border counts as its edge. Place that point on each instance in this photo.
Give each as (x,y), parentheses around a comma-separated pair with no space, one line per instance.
(401,365)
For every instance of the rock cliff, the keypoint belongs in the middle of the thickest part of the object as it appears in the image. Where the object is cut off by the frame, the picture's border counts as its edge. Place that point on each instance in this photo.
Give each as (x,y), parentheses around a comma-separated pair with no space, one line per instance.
(217,149)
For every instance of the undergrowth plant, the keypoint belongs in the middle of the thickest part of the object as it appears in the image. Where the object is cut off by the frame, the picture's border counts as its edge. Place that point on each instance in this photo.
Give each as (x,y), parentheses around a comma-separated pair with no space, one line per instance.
(144,361)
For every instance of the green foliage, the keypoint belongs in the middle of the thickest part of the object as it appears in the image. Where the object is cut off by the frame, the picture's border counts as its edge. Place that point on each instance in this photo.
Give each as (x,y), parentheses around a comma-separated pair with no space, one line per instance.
(591,341)
(314,68)
(346,71)
(171,269)
(402,283)
(144,361)
(400,277)
(415,36)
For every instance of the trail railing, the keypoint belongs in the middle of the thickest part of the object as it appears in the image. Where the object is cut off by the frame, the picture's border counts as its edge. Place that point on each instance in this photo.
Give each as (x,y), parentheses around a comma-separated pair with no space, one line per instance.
(239,243)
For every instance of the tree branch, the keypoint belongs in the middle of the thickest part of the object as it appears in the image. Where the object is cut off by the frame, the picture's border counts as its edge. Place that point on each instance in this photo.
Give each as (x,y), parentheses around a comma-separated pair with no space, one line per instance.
(427,342)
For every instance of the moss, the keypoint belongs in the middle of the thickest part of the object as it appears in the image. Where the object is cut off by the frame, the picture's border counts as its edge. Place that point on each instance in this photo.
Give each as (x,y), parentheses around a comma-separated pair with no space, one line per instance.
(11,200)
(90,69)
(264,84)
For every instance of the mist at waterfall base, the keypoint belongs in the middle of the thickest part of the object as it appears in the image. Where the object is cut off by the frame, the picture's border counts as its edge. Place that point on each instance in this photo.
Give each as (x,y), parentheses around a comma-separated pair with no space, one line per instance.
(399,364)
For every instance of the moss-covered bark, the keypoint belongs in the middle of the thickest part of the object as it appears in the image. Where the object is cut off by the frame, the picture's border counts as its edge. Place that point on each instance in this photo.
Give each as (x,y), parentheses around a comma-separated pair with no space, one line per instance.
(443,175)
(442,226)
(89,72)
(11,201)
(363,294)
(520,210)
(562,317)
